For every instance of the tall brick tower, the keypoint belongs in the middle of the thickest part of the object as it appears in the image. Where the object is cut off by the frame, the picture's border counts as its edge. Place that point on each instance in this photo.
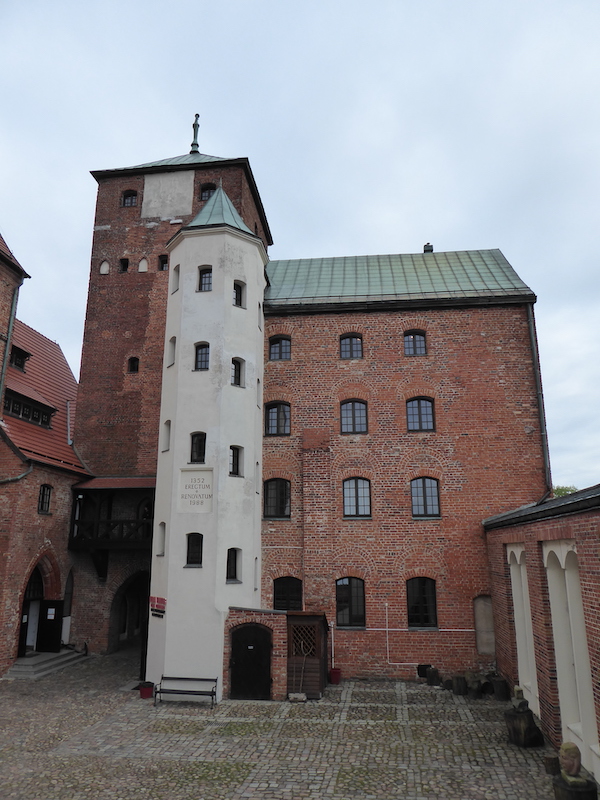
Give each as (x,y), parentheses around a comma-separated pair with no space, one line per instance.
(139,209)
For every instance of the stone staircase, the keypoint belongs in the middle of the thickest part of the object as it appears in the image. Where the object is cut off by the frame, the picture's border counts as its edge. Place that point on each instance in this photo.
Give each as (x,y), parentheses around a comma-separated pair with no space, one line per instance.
(38,665)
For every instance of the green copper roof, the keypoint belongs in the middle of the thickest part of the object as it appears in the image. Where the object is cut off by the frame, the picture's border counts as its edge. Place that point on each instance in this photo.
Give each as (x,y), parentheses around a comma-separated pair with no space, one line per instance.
(474,276)
(189,159)
(219,210)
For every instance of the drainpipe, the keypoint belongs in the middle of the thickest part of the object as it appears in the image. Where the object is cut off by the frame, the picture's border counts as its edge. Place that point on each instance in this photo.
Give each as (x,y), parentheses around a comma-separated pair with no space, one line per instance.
(540,400)
(11,322)
(332,626)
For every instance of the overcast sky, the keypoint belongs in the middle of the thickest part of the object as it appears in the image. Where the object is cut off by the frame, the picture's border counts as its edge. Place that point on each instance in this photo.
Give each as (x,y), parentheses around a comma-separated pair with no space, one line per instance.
(370,127)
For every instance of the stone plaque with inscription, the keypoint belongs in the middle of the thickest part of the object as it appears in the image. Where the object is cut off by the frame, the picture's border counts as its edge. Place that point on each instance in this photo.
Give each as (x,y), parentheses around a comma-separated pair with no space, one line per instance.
(196,490)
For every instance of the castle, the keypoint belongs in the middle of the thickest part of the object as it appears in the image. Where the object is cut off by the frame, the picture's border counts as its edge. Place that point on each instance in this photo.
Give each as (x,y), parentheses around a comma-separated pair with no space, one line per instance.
(277,468)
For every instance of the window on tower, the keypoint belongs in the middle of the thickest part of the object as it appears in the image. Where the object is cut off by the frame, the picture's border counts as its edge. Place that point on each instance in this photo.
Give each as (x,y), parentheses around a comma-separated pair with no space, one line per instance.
(207,190)
(205,279)
(239,294)
(129,198)
(194,550)
(202,355)
(198,448)
(133,364)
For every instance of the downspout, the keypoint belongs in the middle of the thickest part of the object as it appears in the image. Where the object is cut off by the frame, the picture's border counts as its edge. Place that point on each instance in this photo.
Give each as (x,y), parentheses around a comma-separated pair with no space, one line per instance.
(17,477)
(11,322)
(540,400)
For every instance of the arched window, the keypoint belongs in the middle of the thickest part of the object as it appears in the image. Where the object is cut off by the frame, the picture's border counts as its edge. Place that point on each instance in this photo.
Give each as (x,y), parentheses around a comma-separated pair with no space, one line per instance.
(287,594)
(280,348)
(44,498)
(143,265)
(414,343)
(425,496)
(350,602)
(198,448)
(233,573)
(194,549)
(129,198)
(133,364)
(419,414)
(357,497)
(235,460)
(421,603)
(353,416)
(237,372)
(207,190)
(277,419)
(239,294)
(205,279)
(202,355)
(351,346)
(277,498)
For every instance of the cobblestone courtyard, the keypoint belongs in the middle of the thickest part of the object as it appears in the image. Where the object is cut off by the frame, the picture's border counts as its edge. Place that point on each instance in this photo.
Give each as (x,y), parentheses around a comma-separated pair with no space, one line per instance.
(81,734)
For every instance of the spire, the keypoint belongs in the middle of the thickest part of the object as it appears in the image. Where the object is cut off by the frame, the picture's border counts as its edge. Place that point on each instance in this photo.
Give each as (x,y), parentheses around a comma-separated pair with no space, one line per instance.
(195,126)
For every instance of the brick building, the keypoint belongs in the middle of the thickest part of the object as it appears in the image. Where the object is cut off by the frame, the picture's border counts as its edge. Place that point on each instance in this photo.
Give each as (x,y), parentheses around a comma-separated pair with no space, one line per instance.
(545,568)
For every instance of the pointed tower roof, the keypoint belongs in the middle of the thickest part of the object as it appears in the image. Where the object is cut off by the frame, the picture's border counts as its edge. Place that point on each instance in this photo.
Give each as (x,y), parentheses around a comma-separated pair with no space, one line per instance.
(8,258)
(219,210)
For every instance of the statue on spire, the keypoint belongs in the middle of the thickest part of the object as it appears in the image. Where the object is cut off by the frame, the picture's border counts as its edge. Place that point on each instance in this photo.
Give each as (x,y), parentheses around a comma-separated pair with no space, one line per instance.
(195,126)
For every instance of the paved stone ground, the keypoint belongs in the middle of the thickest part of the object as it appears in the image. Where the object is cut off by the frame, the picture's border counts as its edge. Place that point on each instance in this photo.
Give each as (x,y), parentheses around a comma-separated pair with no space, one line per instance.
(79,735)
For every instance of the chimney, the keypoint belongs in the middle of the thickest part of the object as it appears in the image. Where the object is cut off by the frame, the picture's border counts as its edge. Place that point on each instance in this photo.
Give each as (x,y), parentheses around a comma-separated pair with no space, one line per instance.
(428,248)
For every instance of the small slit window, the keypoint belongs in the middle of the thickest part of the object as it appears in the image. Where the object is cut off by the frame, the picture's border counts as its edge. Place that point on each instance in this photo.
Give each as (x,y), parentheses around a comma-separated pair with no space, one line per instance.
(237,372)
(238,294)
(123,264)
(235,460)
(233,565)
(133,364)
(44,498)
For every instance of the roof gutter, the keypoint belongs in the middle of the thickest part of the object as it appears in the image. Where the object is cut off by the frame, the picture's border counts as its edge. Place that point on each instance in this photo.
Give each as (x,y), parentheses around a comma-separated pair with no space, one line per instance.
(540,400)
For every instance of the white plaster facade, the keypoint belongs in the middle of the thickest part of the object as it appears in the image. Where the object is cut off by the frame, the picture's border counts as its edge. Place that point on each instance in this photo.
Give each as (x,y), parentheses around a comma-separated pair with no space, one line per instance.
(204,498)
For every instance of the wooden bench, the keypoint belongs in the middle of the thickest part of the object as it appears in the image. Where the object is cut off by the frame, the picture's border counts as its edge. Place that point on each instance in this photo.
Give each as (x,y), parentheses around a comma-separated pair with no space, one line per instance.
(192,688)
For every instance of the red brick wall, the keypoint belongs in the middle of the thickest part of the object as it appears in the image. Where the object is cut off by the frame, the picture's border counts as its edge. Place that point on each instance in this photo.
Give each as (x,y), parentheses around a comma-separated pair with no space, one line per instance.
(584,529)
(486,452)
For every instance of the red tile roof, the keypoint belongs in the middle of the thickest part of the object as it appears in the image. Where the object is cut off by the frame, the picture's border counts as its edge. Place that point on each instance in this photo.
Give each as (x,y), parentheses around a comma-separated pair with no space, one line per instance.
(8,258)
(47,379)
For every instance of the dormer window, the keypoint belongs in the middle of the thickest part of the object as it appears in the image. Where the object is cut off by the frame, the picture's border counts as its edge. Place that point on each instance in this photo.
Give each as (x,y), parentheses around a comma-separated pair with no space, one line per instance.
(129,198)
(207,190)
(18,357)
(20,406)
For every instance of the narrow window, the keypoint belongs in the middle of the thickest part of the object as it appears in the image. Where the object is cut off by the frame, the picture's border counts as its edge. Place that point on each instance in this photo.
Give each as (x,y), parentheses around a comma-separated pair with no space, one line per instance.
(171,349)
(233,565)
(357,497)
(280,348)
(277,498)
(207,190)
(353,416)
(350,602)
(133,364)
(163,263)
(194,549)
(425,497)
(198,448)
(277,419)
(287,594)
(238,294)
(235,460)
(421,603)
(123,264)
(202,355)
(205,279)
(166,438)
(68,598)
(44,499)
(162,536)
(351,346)
(175,279)
(419,414)
(414,343)
(104,268)
(129,198)
(237,372)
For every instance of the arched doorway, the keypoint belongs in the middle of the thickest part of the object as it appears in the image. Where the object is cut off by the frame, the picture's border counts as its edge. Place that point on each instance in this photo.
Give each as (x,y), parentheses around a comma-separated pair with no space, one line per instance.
(41,620)
(129,616)
(251,647)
